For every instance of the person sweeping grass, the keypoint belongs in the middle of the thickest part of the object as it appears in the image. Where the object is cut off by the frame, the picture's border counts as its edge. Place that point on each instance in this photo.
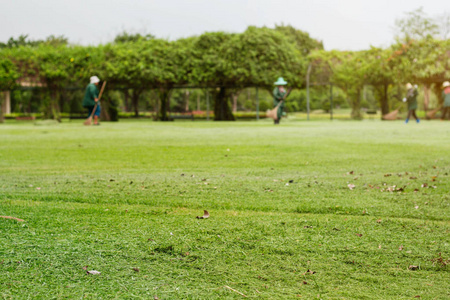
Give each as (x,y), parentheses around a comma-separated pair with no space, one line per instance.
(90,100)
(411,99)
(279,95)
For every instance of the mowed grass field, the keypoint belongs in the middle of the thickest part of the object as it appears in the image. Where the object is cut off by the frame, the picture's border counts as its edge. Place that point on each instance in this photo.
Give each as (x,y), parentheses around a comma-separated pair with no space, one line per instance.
(303,210)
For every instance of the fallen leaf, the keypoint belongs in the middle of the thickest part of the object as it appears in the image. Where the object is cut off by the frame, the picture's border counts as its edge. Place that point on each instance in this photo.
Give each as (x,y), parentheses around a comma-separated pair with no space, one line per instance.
(307,227)
(337,229)
(416,207)
(309,272)
(379,221)
(136,269)
(351,172)
(205,215)
(93,272)
(412,177)
(400,248)
(351,186)
(304,282)
(359,234)
(424,185)
(85,268)
(155,298)
(111,180)
(387,175)
(417,296)
(413,268)
(379,246)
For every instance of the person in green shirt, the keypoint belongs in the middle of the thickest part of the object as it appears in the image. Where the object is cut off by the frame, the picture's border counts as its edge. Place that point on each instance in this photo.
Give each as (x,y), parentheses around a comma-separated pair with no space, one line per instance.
(411,99)
(446,99)
(279,95)
(91,98)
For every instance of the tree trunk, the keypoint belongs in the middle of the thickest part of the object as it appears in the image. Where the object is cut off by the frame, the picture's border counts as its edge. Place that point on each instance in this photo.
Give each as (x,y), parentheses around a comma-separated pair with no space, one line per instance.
(126,95)
(198,101)
(234,96)
(164,104)
(186,97)
(222,111)
(384,102)
(356,105)
(104,113)
(2,99)
(52,110)
(135,99)
(426,94)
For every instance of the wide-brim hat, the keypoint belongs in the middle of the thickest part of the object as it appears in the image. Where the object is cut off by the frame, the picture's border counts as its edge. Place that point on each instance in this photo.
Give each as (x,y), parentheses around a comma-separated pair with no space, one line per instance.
(94,79)
(280,81)
(445,84)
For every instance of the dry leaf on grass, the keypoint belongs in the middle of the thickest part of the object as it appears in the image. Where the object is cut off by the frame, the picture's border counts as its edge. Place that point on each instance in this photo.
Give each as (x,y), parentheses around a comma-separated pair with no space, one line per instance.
(413,268)
(136,269)
(93,272)
(359,234)
(12,218)
(400,248)
(351,186)
(205,215)
(309,272)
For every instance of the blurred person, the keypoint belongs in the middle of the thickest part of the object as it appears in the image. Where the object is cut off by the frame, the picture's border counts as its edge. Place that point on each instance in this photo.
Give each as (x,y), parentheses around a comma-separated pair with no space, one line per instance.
(411,99)
(279,95)
(91,99)
(446,99)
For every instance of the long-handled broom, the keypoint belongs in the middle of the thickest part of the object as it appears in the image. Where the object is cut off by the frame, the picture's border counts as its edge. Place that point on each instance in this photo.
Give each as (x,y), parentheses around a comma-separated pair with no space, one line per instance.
(89,120)
(272,113)
(432,113)
(392,115)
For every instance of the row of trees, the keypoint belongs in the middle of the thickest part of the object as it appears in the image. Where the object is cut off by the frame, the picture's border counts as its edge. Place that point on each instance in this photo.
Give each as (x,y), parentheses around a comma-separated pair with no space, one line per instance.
(224,63)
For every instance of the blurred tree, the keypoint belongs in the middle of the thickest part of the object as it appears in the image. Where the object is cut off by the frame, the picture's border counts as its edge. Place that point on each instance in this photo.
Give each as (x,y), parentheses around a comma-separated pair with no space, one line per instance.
(125,37)
(415,25)
(348,71)
(8,77)
(379,74)
(232,62)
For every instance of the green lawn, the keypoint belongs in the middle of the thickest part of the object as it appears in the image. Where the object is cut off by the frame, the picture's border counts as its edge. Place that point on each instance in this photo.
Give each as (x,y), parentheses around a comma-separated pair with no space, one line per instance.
(122,199)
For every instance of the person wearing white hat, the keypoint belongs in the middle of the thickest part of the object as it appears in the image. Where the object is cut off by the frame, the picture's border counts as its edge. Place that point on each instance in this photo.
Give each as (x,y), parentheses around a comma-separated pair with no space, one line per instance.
(279,95)
(411,98)
(91,98)
(446,99)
